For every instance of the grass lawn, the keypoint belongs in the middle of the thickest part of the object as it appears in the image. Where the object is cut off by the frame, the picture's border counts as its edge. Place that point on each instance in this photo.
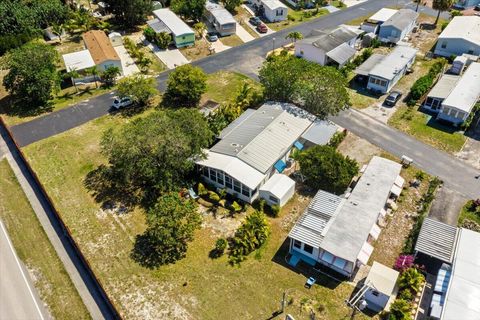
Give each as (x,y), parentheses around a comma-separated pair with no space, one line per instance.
(360,100)
(297,17)
(466,214)
(231,40)
(36,252)
(198,51)
(224,86)
(196,287)
(422,127)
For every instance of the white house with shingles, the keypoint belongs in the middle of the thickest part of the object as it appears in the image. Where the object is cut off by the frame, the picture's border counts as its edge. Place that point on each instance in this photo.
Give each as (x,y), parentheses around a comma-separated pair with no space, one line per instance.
(462,35)
(338,231)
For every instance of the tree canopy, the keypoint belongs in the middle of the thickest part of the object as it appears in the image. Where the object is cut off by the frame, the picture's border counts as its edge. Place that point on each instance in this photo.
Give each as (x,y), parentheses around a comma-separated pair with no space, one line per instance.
(170,227)
(32,77)
(138,88)
(441,5)
(318,89)
(185,86)
(130,12)
(154,154)
(324,168)
(189,9)
(231,5)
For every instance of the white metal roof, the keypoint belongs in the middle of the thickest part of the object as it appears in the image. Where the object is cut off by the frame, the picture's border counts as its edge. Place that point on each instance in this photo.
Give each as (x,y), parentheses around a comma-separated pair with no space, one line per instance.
(79,60)
(389,66)
(173,22)
(342,53)
(219,12)
(382,15)
(463,295)
(354,221)
(382,278)
(320,132)
(401,19)
(366,67)
(273,4)
(313,223)
(437,239)
(467,91)
(278,185)
(234,167)
(444,86)
(265,135)
(463,27)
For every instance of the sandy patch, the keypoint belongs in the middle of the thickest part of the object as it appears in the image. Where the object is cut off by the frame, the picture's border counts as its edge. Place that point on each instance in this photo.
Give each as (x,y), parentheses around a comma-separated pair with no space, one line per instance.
(358,149)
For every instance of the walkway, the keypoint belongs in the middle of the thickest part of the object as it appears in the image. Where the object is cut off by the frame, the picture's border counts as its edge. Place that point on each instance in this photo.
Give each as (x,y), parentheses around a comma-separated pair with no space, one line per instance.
(18,297)
(128,65)
(86,286)
(243,34)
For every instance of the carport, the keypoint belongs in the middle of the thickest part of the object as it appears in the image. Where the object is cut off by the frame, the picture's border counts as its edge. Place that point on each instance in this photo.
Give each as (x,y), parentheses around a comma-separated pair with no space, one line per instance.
(437,240)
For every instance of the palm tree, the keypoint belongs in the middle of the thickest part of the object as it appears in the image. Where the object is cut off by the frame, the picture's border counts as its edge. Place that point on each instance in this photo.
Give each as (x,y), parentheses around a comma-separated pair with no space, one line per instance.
(72,74)
(294,36)
(441,5)
(200,28)
(57,29)
(94,72)
(110,75)
(411,279)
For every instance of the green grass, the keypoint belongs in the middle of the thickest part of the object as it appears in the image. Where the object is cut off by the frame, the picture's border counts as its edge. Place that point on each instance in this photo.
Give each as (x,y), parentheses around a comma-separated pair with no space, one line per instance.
(196,287)
(298,16)
(231,40)
(35,250)
(223,86)
(414,123)
(469,215)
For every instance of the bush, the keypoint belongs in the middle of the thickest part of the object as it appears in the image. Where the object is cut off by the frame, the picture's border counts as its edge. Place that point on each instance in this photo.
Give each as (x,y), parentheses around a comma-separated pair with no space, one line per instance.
(235,207)
(420,176)
(444,25)
(275,210)
(455,13)
(201,190)
(212,196)
(400,310)
(221,245)
(403,262)
(250,236)
(419,88)
(405,295)
(149,34)
(375,43)
(290,18)
(411,279)
(337,139)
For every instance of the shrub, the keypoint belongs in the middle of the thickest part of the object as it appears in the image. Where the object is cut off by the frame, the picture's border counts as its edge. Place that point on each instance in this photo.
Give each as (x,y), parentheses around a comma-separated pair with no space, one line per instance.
(444,25)
(405,295)
(250,236)
(337,139)
(411,279)
(404,262)
(275,209)
(456,13)
(149,34)
(202,191)
(419,88)
(221,245)
(163,39)
(222,193)
(235,207)
(222,203)
(212,196)
(375,43)
(290,18)
(400,310)
(420,175)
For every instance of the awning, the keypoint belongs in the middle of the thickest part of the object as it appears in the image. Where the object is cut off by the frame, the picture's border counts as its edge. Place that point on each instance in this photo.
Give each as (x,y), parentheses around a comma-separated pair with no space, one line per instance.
(399,181)
(280,166)
(396,190)
(375,232)
(365,253)
(298,145)
(437,239)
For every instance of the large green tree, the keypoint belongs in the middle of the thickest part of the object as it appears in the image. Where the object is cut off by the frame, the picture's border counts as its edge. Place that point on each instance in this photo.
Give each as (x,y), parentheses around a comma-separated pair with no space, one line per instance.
(170,227)
(185,86)
(32,77)
(154,154)
(231,5)
(319,90)
(189,9)
(139,88)
(324,168)
(130,12)
(441,5)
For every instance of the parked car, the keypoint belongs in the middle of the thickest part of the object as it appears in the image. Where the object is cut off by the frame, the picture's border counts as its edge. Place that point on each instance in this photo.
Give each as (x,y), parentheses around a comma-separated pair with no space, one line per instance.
(119,103)
(262,28)
(255,21)
(392,98)
(212,36)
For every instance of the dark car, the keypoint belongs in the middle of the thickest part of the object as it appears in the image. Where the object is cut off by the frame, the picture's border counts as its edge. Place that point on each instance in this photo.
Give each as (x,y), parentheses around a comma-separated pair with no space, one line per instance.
(392,98)
(255,21)
(262,28)
(212,36)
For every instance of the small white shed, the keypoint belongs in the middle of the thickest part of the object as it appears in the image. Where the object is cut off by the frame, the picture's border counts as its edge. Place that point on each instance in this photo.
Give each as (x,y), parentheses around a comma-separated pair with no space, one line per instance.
(115,39)
(382,283)
(278,190)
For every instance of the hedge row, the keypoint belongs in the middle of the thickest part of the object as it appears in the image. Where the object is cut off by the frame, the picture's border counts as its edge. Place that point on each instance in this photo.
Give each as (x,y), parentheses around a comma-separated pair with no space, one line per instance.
(423,84)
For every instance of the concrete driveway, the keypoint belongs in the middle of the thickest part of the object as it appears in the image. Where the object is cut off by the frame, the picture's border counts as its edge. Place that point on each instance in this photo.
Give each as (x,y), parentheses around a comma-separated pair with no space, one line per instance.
(447,205)
(128,65)
(243,34)
(170,57)
(218,46)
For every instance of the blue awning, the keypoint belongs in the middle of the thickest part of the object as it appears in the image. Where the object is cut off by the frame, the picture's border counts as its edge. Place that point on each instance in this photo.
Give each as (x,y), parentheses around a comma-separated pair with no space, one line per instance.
(280,166)
(298,145)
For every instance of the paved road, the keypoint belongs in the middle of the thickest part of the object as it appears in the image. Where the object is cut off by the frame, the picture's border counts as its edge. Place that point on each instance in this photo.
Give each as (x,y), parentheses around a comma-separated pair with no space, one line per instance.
(246,59)
(92,295)
(455,173)
(18,297)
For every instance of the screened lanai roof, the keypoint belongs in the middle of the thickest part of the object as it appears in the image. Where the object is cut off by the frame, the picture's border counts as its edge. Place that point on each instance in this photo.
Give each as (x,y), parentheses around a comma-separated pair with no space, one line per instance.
(437,239)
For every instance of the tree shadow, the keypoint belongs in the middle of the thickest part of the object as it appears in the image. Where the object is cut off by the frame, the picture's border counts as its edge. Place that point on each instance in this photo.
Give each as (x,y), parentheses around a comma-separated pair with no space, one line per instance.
(437,123)
(10,106)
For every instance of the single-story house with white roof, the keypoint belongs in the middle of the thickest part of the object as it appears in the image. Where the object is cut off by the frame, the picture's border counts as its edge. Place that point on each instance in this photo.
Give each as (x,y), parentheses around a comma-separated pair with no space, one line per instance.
(333,47)
(384,72)
(398,26)
(440,92)
(382,287)
(373,23)
(220,18)
(167,21)
(456,107)
(253,148)
(272,10)
(305,3)
(337,231)
(462,35)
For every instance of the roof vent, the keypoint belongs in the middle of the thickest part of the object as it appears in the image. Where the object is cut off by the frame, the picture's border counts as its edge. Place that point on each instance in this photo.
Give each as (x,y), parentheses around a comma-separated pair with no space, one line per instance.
(235,145)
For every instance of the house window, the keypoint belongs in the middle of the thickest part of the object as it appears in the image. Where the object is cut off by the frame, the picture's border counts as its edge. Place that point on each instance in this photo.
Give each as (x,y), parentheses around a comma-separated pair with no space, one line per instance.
(245,191)
(213,174)
(220,177)
(228,181)
(205,172)
(280,12)
(444,44)
(307,248)
(470,51)
(237,186)
(273,199)
(297,244)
